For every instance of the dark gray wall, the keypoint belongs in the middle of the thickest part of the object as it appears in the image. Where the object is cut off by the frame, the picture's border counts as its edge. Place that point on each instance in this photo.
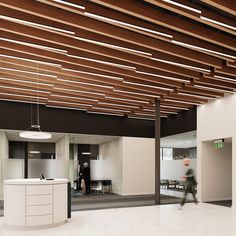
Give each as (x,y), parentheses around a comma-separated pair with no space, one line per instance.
(16,116)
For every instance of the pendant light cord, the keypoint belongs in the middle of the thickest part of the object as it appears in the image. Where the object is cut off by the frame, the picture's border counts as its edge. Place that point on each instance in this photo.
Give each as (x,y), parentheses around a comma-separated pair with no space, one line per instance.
(37,99)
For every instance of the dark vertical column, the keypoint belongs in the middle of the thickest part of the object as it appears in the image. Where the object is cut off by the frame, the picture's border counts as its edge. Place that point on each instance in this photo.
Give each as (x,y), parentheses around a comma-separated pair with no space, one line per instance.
(26,161)
(157,151)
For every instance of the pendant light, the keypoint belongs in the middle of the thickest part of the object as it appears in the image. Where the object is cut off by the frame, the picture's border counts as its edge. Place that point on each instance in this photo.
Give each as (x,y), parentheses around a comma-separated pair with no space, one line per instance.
(34,131)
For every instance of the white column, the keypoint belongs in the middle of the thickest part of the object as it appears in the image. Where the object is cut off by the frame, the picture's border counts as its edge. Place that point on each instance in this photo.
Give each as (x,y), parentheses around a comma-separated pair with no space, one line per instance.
(3,160)
(62,158)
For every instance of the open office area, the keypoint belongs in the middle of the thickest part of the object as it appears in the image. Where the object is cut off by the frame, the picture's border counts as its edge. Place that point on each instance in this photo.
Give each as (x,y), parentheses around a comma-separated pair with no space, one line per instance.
(117,117)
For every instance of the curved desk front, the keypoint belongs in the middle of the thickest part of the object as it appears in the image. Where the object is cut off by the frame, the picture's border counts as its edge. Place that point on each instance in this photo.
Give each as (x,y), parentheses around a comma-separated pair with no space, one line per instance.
(35,203)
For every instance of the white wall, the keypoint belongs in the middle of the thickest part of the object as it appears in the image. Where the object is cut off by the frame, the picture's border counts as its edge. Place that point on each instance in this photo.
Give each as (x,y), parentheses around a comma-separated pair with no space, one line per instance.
(216,172)
(216,120)
(175,169)
(138,169)
(110,164)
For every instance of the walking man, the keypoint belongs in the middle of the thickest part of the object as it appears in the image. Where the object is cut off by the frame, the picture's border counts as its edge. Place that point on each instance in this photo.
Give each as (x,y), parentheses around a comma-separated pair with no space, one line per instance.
(190,183)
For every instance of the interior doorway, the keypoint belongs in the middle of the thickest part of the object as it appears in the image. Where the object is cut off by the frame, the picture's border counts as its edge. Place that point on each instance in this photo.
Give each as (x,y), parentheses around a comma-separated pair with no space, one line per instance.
(216,164)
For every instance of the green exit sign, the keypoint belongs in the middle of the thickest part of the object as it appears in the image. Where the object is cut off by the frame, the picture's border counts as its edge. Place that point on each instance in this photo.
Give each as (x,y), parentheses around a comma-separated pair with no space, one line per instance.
(218,145)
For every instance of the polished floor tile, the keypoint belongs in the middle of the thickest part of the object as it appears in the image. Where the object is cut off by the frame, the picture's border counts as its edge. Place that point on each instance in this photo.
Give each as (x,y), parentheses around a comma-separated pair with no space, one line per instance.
(165,220)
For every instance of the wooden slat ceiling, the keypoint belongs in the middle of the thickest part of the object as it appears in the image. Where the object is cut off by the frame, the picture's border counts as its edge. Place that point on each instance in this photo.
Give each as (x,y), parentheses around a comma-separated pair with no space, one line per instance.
(117,57)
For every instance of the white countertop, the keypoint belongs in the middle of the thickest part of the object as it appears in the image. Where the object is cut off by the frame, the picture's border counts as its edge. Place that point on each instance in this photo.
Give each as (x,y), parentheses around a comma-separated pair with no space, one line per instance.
(35,181)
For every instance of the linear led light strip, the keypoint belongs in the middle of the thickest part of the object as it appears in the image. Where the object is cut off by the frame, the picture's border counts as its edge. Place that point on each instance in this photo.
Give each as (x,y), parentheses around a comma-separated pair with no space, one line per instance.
(124,99)
(28,72)
(179,108)
(30,60)
(144,114)
(114,46)
(23,89)
(199,11)
(192,103)
(78,82)
(71,97)
(70,103)
(180,64)
(218,23)
(224,78)
(142,94)
(118,105)
(103,62)
(202,49)
(19,95)
(149,86)
(183,6)
(127,24)
(140,118)
(162,76)
(90,73)
(170,112)
(35,24)
(70,108)
(103,113)
(110,109)
(69,4)
(13,100)
(200,96)
(25,81)
(35,46)
(214,89)
(78,91)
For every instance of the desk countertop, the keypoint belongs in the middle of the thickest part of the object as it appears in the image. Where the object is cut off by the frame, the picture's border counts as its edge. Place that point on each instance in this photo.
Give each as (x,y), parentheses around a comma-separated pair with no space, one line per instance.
(34,181)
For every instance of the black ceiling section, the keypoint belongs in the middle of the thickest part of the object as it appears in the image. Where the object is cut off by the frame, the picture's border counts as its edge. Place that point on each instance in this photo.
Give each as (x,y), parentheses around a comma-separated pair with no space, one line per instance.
(17,116)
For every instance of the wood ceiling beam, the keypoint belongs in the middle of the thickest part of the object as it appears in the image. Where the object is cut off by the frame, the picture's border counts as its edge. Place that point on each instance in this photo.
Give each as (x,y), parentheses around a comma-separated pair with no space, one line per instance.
(185,98)
(90,50)
(109,40)
(21,99)
(227,70)
(81,21)
(195,15)
(228,6)
(33,53)
(148,13)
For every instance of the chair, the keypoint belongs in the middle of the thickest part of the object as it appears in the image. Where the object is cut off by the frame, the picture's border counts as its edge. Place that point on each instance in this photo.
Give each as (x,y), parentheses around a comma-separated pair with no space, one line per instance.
(164,183)
(106,186)
(96,186)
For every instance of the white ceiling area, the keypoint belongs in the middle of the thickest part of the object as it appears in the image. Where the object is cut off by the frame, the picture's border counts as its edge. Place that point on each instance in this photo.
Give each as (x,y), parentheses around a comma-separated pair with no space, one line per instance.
(91,139)
(74,138)
(184,140)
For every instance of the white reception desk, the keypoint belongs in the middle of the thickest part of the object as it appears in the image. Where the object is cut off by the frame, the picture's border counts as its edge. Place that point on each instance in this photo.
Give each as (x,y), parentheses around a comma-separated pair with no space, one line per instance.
(35,203)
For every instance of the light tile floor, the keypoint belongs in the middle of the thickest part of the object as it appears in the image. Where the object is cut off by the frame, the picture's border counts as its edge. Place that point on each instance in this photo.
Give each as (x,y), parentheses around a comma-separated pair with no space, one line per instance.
(165,220)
